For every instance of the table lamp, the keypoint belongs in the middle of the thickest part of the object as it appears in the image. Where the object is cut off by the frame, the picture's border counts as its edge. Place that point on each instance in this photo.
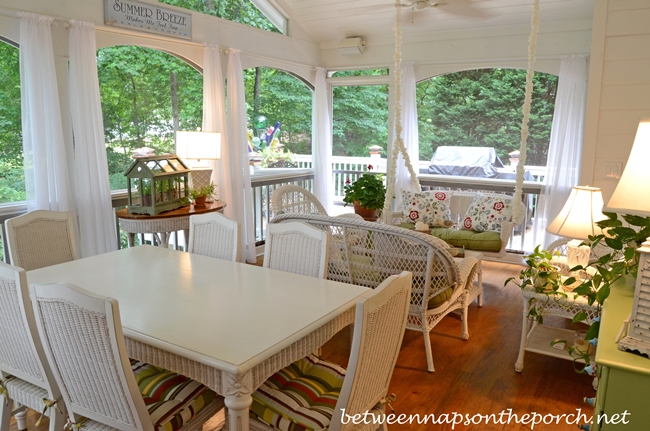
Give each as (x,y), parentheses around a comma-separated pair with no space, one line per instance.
(198,146)
(577,220)
(632,196)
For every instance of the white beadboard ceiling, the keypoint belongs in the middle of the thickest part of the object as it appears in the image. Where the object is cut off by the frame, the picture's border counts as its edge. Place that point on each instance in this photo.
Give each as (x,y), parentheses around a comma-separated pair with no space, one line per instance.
(332,20)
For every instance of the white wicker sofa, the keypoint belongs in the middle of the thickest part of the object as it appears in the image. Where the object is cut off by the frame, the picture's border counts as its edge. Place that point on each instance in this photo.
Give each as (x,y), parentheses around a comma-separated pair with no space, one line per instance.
(491,244)
(365,253)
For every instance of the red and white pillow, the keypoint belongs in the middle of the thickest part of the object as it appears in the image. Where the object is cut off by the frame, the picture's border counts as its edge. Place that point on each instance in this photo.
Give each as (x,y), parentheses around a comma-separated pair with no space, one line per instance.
(487,213)
(426,207)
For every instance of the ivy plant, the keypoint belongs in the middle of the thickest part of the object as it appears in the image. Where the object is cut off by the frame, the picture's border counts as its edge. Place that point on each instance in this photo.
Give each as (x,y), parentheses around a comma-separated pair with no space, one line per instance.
(622,237)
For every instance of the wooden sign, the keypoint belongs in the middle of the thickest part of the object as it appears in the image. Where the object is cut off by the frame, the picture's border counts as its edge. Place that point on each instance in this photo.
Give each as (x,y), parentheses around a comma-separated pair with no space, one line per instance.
(147,17)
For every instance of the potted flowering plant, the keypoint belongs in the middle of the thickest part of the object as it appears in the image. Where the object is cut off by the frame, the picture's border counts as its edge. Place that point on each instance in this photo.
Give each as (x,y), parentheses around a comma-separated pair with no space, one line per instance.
(367,194)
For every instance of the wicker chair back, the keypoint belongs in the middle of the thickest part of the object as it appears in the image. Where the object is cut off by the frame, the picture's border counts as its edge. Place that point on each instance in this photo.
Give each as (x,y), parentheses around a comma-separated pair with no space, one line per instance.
(214,235)
(41,238)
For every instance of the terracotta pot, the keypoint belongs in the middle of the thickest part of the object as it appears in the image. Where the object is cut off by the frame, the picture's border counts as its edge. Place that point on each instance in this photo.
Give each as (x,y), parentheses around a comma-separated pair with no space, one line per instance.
(366,213)
(199,202)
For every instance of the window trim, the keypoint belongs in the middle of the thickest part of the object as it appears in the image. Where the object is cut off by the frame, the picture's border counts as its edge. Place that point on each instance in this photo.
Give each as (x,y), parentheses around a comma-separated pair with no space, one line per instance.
(273,14)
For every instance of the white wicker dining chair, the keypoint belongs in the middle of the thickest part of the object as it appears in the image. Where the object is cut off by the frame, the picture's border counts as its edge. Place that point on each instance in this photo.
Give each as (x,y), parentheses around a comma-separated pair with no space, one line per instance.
(378,331)
(41,238)
(25,375)
(290,199)
(83,341)
(297,247)
(214,235)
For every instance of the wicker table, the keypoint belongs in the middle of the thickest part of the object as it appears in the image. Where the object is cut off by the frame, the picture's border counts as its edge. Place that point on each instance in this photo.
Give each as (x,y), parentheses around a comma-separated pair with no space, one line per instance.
(537,337)
(225,324)
(163,224)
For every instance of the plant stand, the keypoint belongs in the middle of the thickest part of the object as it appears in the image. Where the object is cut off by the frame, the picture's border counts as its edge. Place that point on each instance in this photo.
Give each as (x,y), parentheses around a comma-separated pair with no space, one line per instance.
(537,337)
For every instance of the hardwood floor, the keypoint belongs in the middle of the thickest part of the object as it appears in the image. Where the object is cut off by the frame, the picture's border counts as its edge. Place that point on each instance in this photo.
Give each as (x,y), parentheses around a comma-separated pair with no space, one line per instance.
(476,376)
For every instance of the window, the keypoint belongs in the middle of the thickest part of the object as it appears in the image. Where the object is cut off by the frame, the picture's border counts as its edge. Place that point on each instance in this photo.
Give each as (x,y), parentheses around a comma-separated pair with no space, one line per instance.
(279,112)
(146,96)
(12,175)
(360,72)
(482,108)
(360,119)
(256,13)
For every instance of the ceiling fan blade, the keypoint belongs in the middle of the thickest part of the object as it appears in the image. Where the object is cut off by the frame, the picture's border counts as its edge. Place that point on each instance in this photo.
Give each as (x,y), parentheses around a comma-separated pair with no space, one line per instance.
(464,8)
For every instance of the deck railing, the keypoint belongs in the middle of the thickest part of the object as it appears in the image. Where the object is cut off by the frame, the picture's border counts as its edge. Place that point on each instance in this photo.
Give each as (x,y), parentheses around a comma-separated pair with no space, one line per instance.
(265,181)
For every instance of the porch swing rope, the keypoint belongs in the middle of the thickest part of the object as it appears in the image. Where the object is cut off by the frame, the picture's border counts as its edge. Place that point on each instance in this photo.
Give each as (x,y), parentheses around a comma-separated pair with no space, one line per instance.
(518,210)
(398,145)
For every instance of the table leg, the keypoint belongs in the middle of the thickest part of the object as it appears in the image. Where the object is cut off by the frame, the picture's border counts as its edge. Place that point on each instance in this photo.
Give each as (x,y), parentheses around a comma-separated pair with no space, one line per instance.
(519,365)
(186,238)
(237,393)
(163,239)
(131,239)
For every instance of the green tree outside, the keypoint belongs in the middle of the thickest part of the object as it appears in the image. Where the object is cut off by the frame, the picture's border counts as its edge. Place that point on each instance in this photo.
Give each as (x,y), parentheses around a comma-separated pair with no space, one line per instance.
(483,108)
(12,175)
(241,11)
(280,96)
(146,95)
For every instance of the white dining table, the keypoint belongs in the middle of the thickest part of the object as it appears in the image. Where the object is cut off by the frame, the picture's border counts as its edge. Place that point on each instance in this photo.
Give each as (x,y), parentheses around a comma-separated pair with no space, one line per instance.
(227,325)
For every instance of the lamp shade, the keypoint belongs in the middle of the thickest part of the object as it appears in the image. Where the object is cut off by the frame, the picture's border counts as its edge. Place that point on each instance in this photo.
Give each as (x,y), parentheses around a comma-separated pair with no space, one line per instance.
(632,194)
(579,215)
(198,145)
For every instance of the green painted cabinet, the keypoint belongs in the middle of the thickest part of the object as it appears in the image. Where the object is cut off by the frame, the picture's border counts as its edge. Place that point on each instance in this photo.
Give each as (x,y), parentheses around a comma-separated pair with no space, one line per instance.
(623,397)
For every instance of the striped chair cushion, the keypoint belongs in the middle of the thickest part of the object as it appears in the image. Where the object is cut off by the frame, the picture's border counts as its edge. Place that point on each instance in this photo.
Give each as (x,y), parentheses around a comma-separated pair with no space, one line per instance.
(301,396)
(172,399)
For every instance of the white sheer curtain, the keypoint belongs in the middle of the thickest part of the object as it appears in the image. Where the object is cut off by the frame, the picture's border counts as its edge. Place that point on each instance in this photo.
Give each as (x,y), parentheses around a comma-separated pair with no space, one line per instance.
(214,120)
(92,191)
(563,163)
(46,171)
(409,134)
(321,135)
(240,181)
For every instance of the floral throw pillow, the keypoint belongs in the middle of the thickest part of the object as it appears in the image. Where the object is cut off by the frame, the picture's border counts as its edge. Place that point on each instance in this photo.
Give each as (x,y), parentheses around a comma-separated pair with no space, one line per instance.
(426,207)
(486,213)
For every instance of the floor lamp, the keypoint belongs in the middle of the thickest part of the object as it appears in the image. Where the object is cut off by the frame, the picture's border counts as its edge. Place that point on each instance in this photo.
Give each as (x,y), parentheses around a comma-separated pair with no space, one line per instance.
(197,146)
(632,196)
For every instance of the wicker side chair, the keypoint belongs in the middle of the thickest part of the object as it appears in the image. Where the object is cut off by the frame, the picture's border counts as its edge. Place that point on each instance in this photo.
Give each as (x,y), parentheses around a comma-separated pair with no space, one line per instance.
(298,248)
(102,389)
(365,254)
(378,331)
(290,199)
(214,235)
(41,238)
(24,371)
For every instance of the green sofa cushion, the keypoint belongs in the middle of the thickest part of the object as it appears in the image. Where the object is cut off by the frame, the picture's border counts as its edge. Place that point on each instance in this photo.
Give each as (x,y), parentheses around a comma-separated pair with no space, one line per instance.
(471,240)
(440,298)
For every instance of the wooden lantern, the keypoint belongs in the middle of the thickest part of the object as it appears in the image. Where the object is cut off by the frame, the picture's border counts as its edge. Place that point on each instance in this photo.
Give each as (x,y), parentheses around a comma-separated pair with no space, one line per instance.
(638,332)
(156,184)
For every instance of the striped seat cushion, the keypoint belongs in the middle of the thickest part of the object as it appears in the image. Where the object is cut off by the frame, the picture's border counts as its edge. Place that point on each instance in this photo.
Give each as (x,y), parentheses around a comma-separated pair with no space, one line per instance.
(171,399)
(301,396)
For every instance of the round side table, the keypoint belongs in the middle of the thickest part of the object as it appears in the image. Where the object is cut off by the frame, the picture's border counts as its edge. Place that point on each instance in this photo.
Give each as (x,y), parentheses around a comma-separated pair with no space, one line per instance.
(163,224)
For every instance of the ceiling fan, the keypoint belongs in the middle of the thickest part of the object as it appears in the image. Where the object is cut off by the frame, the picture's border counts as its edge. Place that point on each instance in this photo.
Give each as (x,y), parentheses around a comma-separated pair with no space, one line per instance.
(420,5)
(458,7)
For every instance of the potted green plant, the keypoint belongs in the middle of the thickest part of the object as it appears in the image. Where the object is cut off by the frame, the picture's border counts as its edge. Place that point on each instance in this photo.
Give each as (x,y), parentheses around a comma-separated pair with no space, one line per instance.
(367,194)
(202,194)
(541,274)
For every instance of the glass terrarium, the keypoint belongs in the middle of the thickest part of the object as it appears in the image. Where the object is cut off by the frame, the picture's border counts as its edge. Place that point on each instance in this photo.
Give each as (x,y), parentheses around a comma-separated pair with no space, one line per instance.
(156,184)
